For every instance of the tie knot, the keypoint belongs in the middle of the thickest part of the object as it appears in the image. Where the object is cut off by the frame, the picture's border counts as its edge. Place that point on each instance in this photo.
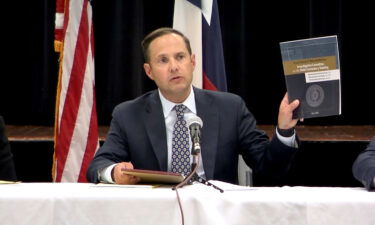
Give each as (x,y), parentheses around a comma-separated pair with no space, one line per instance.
(180,109)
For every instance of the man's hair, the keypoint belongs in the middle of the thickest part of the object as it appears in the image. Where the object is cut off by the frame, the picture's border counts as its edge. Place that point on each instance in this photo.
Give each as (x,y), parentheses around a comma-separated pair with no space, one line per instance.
(158,33)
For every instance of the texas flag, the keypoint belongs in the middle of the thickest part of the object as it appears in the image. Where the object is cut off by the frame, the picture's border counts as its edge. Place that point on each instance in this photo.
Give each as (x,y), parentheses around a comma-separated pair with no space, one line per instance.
(199,21)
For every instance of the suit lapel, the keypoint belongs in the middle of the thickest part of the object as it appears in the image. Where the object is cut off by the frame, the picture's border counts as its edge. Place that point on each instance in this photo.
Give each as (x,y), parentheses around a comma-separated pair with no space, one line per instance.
(156,131)
(209,114)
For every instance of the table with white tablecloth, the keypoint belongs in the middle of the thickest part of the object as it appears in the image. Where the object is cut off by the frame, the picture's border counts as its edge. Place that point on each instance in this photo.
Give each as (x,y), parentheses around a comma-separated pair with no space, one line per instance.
(89,204)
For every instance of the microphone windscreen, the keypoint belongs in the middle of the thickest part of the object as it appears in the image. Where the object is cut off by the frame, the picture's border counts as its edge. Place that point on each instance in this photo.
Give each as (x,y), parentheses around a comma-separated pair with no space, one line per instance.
(194,120)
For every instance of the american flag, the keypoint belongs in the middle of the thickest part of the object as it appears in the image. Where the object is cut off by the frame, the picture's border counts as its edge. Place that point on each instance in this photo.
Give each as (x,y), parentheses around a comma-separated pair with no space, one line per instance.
(199,21)
(76,128)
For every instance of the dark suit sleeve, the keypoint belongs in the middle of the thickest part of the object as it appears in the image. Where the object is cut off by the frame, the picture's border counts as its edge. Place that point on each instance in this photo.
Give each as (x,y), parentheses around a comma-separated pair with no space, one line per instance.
(268,159)
(7,170)
(114,149)
(137,135)
(364,166)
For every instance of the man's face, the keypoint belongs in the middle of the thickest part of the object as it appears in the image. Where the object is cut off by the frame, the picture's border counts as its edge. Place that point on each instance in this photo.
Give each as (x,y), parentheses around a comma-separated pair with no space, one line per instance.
(171,67)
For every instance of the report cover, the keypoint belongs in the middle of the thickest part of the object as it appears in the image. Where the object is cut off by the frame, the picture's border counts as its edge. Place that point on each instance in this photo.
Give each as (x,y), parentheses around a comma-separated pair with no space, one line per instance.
(152,176)
(312,75)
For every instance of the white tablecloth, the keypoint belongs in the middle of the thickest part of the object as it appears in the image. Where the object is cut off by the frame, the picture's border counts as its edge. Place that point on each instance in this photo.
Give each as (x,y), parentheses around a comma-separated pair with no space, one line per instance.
(86,204)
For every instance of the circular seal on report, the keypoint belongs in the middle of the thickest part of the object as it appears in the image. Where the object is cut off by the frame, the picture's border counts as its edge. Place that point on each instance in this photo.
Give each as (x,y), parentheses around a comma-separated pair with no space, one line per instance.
(314,95)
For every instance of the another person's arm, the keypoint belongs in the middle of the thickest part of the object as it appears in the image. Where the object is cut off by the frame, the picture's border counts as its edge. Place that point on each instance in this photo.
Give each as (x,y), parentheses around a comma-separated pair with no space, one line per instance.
(364,166)
(7,170)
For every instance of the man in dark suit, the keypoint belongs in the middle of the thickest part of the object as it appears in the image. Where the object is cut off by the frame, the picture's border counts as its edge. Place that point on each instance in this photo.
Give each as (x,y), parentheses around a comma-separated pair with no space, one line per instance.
(7,171)
(364,166)
(140,134)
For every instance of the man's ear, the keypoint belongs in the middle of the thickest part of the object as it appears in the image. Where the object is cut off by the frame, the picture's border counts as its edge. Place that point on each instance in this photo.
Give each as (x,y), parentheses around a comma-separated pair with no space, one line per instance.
(193,60)
(147,68)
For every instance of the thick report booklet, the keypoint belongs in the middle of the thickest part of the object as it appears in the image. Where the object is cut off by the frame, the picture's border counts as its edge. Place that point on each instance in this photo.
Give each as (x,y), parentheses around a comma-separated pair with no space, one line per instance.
(158,177)
(312,75)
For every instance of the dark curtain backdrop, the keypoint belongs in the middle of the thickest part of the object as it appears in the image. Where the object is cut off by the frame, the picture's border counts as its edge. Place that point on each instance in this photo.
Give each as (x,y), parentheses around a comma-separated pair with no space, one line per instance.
(251,33)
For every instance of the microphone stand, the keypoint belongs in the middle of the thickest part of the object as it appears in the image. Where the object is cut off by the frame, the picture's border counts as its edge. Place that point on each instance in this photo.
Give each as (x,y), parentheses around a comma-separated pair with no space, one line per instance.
(193,176)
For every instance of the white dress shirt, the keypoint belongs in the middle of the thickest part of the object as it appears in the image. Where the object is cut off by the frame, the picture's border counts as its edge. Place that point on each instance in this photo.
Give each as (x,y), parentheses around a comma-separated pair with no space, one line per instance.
(170,118)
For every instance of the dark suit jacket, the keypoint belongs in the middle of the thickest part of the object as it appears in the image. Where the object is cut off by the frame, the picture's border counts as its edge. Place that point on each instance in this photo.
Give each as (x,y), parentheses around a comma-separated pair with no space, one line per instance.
(364,166)
(138,134)
(7,171)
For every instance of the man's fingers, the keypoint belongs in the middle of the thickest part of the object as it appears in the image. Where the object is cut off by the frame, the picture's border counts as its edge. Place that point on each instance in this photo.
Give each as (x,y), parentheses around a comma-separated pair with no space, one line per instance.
(294,104)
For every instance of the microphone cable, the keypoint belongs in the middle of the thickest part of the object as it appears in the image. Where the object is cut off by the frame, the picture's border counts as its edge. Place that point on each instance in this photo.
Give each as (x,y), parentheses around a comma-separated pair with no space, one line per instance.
(181,184)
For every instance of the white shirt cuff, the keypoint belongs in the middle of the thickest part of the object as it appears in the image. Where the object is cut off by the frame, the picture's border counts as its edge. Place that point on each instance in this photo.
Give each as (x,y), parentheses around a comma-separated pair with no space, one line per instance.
(289,141)
(105,174)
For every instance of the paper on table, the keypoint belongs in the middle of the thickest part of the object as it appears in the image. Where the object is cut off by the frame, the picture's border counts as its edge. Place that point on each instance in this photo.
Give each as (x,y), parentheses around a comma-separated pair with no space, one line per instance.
(125,185)
(8,182)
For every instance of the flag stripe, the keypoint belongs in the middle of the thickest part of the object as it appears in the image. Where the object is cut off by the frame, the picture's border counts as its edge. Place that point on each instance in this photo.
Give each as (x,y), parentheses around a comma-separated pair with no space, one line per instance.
(91,146)
(207,84)
(82,128)
(82,71)
(204,26)
(93,141)
(77,135)
(74,90)
(213,55)
(187,19)
(71,29)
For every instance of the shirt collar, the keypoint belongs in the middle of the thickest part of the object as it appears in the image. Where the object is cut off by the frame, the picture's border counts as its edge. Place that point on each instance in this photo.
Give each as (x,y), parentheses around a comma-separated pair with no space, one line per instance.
(168,105)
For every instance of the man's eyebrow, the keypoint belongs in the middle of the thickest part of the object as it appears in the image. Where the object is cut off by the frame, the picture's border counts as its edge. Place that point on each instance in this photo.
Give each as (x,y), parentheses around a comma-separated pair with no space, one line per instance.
(179,53)
(161,55)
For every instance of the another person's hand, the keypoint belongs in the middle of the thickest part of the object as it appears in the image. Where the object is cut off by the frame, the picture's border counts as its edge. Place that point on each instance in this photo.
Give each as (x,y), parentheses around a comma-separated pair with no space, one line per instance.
(285,118)
(120,178)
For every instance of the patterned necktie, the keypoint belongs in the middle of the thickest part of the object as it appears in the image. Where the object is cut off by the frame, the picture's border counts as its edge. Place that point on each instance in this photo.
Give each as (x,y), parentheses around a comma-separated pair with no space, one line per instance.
(180,143)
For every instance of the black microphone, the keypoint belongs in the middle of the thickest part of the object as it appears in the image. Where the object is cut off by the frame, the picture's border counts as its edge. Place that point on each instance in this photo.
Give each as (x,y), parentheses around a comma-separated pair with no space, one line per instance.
(195,124)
